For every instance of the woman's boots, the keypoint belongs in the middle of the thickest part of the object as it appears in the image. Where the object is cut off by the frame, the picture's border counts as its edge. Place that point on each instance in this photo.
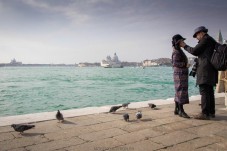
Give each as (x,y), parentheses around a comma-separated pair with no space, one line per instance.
(176,111)
(179,110)
(182,112)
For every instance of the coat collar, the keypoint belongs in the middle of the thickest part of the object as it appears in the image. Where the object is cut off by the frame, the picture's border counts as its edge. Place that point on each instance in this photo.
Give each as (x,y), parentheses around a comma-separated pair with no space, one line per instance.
(205,36)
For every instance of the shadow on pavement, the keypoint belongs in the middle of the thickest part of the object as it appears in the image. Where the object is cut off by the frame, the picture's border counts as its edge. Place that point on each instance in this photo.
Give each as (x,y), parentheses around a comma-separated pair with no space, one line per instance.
(67,122)
(31,134)
(141,120)
(219,118)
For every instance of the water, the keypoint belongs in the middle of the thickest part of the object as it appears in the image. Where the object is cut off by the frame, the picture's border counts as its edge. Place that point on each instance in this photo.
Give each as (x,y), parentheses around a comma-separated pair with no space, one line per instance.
(26,90)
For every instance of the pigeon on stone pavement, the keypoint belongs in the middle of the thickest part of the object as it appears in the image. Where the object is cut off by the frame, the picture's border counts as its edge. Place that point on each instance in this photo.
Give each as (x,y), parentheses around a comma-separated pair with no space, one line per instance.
(125,105)
(59,116)
(114,108)
(152,106)
(139,115)
(22,127)
(126,117)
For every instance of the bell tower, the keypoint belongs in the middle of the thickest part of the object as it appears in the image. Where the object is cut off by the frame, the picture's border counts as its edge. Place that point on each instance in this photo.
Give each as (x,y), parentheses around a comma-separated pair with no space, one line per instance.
(219,38)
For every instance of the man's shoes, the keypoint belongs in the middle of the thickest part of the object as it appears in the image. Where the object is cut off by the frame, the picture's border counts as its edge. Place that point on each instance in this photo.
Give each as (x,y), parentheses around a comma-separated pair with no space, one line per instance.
(212,115)
(175,112)
(201,116)
(183,114)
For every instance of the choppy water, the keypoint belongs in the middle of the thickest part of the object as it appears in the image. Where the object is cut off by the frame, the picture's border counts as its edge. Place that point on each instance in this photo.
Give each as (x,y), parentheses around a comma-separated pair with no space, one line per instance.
(38,89)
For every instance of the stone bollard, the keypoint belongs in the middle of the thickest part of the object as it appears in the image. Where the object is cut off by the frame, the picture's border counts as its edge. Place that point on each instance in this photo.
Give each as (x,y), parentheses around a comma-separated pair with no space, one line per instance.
(222,84)
(226,99)
(225,83)
(220,87)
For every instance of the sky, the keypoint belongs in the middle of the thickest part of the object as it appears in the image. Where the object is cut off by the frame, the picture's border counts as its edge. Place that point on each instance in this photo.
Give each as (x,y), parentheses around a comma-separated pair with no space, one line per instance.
(74,31)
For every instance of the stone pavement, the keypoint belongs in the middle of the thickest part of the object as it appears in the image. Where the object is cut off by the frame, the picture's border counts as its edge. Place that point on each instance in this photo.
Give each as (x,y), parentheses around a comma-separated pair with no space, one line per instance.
(159,130)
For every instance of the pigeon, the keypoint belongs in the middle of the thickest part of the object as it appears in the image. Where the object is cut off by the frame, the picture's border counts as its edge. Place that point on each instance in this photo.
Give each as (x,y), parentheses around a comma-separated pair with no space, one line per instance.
(151,105)
(21,127)
(125,105)
(139,115)
(126,117)
(59,116)
(114,108)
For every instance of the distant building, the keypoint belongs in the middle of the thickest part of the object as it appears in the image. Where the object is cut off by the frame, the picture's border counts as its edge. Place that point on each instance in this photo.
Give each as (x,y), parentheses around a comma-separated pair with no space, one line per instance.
(149,63)
(111,62)
(220,38)
(157,62)
(14,62)
(82,65)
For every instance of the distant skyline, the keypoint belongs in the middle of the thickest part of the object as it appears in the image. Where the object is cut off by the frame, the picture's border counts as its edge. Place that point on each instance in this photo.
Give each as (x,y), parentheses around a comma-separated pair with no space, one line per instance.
(74,31)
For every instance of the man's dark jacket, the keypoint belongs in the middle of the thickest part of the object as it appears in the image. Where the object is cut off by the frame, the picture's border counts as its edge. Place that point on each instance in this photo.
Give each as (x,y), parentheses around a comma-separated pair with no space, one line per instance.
(206,73)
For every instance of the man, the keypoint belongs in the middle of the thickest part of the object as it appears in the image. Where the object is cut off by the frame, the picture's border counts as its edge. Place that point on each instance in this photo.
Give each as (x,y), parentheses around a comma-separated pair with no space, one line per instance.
(207,75)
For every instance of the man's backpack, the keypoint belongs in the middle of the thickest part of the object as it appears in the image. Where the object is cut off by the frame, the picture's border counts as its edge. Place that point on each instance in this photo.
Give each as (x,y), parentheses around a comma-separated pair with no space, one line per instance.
(219,57)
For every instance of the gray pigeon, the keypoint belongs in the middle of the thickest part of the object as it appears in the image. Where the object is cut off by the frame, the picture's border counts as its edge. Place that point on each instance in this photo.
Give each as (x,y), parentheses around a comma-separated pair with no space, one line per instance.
(59,116)
(151,105)
(125,105)
(139,115)
(22,127)
(114,108)
(126,117)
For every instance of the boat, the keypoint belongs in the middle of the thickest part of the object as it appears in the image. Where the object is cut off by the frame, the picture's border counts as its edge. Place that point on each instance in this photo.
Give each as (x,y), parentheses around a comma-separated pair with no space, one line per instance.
(111,62)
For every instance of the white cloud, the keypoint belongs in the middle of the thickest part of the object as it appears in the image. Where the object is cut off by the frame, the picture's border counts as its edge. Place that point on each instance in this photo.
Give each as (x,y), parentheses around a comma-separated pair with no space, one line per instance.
(69,11)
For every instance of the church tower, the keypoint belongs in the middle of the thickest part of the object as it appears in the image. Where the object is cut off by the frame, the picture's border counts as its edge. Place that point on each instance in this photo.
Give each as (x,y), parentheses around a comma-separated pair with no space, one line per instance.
(219,38)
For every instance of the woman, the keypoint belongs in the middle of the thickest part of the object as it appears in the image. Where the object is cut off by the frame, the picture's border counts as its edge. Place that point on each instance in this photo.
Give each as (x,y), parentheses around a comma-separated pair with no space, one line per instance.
(180,75)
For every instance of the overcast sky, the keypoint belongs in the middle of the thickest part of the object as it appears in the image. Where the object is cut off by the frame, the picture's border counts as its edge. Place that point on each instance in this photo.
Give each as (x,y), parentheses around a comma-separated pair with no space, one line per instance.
(73,31)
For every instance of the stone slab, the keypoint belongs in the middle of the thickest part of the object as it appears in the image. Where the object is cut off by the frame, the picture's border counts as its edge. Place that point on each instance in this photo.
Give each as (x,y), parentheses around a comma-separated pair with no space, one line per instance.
(6,136)
(171,127)
(194,144)
(136,126)
(102,134)
(21,142)
(145,145)
(53,145)
(207,130)
(222,134)
(99,145)
(68,133)
(173,138)
(136,136)
(220,146)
